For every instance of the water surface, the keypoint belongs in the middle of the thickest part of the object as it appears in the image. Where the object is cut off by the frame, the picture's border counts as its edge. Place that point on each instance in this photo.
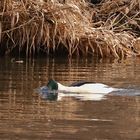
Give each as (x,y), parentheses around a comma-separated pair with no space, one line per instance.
(25,115)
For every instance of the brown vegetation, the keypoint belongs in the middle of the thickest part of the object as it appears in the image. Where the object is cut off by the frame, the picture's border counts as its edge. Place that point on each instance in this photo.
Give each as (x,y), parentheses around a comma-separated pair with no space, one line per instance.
(110,28)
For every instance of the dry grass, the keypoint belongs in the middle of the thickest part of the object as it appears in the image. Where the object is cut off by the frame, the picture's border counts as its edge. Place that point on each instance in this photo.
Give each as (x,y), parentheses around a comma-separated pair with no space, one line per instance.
(108,29)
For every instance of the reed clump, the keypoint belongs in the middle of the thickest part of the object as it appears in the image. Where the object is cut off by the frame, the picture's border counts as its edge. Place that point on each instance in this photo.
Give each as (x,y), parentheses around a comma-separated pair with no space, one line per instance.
(110,28)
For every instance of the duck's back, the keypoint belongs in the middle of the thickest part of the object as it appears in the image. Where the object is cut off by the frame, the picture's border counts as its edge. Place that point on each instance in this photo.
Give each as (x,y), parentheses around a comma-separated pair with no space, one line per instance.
(80,83)
(97,88)
(87,87)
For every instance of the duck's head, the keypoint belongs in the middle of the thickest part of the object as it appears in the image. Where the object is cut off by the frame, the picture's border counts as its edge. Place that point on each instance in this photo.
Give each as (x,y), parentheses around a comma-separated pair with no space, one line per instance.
(52,85)
(49,92)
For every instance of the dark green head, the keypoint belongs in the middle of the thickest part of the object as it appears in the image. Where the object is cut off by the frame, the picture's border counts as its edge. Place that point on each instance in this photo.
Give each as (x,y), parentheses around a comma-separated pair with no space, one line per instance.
(52,85)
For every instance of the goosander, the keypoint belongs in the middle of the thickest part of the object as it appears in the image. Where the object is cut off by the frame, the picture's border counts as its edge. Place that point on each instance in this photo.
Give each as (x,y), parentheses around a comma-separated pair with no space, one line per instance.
(81,90)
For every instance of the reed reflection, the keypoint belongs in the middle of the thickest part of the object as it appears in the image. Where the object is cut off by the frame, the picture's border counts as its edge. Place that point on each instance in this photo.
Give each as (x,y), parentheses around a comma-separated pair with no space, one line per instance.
(35,73)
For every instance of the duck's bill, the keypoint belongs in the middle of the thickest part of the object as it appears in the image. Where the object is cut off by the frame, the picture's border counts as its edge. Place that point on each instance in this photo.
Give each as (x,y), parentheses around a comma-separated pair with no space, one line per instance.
(47,94)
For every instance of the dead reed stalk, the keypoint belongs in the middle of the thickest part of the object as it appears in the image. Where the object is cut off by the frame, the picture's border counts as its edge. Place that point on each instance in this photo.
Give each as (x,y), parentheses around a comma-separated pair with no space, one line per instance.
(107,29)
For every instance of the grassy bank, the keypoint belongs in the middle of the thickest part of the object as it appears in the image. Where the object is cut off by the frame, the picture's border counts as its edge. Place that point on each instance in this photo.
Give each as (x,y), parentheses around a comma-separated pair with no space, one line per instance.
(75,27)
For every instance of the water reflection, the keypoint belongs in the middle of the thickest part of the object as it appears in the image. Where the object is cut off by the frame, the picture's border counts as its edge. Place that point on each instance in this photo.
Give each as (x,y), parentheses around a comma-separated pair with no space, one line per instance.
(24,115)
(38,72)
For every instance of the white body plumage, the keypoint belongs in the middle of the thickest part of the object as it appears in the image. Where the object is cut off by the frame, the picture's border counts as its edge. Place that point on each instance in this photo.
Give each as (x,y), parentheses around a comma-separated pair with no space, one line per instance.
(88,91)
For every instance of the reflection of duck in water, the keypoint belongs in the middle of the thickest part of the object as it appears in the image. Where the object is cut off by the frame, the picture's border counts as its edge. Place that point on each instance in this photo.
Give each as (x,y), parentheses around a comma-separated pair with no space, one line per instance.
(81,90)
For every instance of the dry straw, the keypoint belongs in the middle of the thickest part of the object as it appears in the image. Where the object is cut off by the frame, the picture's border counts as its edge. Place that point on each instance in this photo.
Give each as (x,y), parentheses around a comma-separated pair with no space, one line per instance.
(107,29)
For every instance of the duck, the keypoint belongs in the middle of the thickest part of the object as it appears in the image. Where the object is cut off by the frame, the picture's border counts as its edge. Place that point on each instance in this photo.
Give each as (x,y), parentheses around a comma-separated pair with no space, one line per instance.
(82,90)
(13,60)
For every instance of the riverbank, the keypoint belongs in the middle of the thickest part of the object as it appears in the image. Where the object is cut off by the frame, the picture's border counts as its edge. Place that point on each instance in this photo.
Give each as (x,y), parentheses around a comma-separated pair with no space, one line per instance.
(108,29)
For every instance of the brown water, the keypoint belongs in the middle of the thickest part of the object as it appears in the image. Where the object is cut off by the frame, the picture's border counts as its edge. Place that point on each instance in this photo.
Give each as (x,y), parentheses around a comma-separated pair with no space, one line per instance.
(25,115)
